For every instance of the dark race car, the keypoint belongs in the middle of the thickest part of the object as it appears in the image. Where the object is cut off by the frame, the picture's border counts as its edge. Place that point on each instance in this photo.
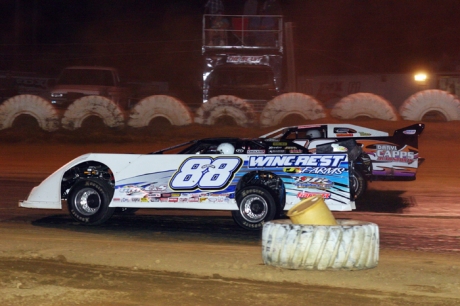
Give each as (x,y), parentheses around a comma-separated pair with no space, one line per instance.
(246,176)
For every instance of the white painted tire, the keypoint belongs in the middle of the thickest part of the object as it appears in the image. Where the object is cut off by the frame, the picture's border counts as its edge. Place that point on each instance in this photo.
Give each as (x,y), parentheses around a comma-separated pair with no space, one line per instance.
(432,100)
(351,245)
(159,106)
(88,106)
(364,104)
(37,107)
(240,110)
(292,103)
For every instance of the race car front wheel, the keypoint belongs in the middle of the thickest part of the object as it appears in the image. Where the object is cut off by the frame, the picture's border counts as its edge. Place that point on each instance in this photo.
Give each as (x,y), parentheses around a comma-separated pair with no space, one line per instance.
(255,206)
(358,184)
(89,202)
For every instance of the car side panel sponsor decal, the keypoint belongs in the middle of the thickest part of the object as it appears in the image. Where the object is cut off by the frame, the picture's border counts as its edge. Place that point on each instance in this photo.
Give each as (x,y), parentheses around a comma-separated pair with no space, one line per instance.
(212,180)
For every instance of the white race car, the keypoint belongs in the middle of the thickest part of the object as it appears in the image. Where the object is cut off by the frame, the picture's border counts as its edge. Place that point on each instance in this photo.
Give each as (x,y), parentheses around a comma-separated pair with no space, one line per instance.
(250,177)
(383,156)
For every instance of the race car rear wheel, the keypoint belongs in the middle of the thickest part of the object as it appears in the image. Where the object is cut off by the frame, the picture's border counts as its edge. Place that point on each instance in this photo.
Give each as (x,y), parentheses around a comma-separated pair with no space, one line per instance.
(255,206)
(358,183)
(89,202)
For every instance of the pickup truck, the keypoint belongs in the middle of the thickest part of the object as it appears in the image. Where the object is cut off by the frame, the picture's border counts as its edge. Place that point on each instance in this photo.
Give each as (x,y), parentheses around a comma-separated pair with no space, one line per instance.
(78,81)
(14,83)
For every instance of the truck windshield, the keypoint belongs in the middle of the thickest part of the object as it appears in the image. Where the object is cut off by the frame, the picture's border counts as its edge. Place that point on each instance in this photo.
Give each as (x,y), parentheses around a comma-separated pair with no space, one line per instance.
(86,77)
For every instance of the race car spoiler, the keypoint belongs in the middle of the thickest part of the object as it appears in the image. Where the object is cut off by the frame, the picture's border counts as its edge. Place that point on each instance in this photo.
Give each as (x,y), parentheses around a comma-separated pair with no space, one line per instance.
(415,129)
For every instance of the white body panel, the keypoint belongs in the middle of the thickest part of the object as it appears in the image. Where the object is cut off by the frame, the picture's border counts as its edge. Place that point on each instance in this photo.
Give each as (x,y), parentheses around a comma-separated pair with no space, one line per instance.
(204,181)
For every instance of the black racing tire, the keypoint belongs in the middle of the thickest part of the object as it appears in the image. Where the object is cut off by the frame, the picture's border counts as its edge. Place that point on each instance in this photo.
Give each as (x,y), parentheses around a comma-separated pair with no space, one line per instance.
(358,183)
(256,206)
(89,201)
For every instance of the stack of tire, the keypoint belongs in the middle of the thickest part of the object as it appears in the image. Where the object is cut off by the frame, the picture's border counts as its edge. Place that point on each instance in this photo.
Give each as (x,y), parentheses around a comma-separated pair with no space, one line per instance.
(350,245)
(416,107)
(314,240)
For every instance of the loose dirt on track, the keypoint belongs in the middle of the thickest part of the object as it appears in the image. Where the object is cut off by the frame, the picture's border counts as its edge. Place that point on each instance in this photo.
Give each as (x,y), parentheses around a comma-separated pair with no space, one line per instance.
(161,257)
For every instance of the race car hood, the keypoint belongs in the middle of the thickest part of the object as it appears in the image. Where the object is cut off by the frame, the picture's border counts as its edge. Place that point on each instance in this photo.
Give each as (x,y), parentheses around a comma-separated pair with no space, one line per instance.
(48,193)
(83,89)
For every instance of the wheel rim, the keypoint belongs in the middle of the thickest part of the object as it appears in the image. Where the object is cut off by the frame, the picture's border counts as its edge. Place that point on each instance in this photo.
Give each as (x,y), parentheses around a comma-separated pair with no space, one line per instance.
(87,201)
(355,183)
(254,208)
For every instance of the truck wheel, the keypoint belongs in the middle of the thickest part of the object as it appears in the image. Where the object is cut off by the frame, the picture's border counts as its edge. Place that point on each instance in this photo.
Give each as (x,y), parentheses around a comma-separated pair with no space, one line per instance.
(431,101)
(366,105)
(159,106)
(226,106)
(35,106)
(89,202)
(350,245)
(88,106)
(358,183)
(288,104)
(255,206)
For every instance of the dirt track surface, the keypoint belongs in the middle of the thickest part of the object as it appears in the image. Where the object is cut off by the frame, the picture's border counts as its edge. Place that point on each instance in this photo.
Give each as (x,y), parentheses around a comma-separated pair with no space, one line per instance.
(203,258)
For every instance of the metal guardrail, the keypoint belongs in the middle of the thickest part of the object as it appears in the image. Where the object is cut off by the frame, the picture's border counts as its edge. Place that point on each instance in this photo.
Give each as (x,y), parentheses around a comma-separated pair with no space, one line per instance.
(242,32)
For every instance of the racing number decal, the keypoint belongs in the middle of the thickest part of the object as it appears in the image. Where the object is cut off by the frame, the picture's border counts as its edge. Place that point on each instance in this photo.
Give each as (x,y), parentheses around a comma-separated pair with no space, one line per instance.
(205,173)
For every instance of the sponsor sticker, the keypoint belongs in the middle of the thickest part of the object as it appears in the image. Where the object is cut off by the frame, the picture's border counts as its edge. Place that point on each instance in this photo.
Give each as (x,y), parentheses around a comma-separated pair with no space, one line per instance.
(303,195)
(256,151)
(312,160)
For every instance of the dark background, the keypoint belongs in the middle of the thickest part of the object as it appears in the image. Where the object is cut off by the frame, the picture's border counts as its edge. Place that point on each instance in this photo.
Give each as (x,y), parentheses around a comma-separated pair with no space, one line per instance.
(161,40)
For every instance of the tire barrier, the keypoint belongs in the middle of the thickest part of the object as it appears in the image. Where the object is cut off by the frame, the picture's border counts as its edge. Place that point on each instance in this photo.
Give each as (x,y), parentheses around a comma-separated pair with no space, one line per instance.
(159,106)
(82,108)
(432,100)
(35,106)
(350,245)
(291,104)
(224,105)
(364,104)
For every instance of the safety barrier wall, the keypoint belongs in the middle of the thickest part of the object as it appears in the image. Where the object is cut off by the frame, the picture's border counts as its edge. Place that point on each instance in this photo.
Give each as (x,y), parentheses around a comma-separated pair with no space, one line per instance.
(424,103)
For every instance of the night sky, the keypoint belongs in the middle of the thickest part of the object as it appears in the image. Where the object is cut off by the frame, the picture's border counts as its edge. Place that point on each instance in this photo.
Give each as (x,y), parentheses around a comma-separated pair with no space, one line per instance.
(161,40)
